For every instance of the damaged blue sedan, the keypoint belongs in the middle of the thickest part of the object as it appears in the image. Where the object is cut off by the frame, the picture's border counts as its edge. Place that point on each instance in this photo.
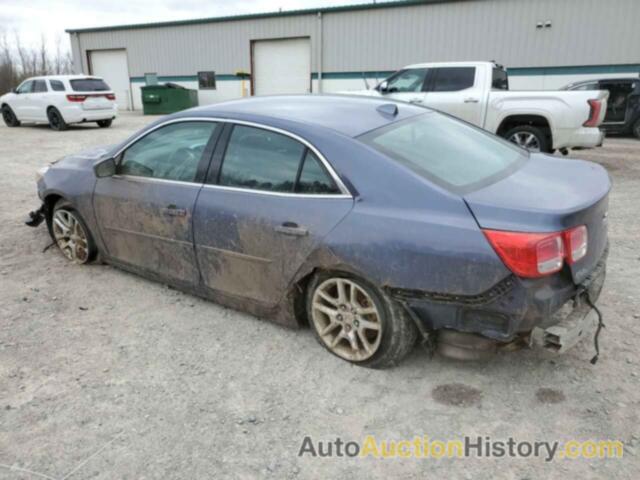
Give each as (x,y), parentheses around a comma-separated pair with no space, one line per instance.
(376,223)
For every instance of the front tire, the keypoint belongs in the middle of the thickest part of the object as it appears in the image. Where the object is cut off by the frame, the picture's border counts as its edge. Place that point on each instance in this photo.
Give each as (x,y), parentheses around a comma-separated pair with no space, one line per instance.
(530,138)
(104,123)
(71,234)
(357,322)
(56,122)
(636,129)
(9,117)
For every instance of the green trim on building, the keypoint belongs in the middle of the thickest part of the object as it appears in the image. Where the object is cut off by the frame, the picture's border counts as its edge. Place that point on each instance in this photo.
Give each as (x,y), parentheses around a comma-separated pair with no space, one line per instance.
(575,70)
(287,13)
(516,72)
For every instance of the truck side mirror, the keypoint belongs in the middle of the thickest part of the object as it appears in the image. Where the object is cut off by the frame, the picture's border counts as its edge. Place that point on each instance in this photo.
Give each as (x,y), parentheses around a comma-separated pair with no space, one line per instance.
(106,168)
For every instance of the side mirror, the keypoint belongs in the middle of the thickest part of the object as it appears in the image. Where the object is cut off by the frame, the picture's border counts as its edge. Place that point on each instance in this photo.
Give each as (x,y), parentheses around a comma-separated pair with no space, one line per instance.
(383,86)
(106,168)
(15,90)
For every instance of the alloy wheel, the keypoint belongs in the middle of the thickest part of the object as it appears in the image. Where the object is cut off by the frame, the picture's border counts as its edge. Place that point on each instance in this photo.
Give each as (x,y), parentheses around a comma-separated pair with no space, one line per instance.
(526,140)
(70,236)
(347,319)
(54,120)
(7,115)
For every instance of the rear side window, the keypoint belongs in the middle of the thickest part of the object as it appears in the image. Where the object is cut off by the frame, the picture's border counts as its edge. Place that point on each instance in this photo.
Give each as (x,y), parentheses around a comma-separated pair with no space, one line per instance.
(39,86)
(261,160)
(448,152)
(499,79)
(89,85)
(453,79)
(56,85)
(314,178)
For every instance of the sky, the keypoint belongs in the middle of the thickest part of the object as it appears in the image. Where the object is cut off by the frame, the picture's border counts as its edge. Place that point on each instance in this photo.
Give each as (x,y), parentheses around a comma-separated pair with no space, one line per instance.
(33,19)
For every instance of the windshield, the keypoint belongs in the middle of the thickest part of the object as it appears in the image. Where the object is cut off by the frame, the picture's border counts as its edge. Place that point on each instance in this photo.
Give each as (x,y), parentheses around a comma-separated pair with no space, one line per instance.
(89,85)
(451,153)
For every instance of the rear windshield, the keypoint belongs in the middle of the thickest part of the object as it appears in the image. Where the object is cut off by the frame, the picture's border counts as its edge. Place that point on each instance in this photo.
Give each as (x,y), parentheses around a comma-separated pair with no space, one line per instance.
(89,85)
(451,153)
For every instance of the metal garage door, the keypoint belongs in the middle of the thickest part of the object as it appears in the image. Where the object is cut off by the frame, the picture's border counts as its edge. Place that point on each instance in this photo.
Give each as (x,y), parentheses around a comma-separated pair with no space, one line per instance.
(282,66)
(112,66)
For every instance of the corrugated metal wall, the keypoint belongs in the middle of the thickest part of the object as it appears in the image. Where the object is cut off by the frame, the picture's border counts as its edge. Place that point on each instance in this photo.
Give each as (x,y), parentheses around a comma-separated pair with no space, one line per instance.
(583,32)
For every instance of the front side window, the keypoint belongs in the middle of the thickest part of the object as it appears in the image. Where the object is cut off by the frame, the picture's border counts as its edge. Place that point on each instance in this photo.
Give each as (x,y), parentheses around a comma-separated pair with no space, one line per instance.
(410,80)
(448,152)
(56,85)
(453,79)
(261,160)
(172,152)
(39,86)
(25,87)
(89,85)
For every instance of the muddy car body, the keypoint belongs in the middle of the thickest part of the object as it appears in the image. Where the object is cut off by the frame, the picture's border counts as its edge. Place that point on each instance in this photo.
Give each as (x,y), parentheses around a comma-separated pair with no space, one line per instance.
(370,247)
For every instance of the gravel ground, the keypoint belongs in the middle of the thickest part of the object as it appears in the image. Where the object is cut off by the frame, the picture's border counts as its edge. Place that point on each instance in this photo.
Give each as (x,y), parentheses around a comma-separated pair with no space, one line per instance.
(106,375)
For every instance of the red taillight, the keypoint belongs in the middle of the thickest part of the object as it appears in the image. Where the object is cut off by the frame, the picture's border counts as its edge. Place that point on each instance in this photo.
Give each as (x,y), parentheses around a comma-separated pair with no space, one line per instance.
(533,255)
(594,114)
(76,98)
(110,96)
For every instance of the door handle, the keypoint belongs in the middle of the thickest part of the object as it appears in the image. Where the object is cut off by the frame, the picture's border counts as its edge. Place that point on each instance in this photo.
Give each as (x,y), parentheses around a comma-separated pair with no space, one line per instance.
(471,100)
(173,211)
(291,228)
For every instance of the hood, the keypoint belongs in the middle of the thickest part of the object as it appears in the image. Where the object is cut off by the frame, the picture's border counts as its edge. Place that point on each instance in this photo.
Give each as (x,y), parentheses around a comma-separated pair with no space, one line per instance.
(85,158)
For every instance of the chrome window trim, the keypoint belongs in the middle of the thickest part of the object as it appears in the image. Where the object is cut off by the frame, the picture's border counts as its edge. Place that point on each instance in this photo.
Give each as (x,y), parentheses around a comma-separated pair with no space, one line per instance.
(344,191)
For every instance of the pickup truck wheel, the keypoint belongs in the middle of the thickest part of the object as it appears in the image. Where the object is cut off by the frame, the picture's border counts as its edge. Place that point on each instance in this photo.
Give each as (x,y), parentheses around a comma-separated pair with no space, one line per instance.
(9,117)
(56,122)
(531,138)
(636,129)
(357,322)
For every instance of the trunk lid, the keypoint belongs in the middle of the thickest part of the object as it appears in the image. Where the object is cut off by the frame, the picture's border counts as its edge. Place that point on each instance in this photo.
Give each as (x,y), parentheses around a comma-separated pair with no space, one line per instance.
(549,194)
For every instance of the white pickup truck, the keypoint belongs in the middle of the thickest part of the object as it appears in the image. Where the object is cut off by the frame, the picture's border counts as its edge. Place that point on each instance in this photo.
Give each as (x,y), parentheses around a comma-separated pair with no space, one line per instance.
(478,92)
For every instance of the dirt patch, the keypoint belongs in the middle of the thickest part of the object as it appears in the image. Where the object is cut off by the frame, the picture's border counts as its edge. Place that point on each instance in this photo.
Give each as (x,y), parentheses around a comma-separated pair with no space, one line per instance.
(457,395)
(550,395)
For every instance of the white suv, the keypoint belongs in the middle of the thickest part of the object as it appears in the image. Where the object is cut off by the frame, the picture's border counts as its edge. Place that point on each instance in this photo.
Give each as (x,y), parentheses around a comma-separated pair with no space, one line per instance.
(60,100)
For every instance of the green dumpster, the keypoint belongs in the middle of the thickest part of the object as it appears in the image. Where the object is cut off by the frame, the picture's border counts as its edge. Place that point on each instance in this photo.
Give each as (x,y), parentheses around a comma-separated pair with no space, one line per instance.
(167,98)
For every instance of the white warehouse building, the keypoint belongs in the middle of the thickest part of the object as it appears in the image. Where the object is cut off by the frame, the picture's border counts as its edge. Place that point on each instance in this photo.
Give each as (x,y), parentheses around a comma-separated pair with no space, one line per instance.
(544,44)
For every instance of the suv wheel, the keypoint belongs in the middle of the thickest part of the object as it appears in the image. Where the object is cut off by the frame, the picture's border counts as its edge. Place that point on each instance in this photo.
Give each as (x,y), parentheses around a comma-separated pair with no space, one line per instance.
(104,123)
(636,129)
(9,117)
(357,322)
(56,122)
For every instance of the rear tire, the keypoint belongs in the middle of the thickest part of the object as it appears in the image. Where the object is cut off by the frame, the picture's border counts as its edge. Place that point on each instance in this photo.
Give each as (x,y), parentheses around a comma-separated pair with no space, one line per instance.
(362,325)
(636,129)
(9,117)
(56,122)
(104,123)
(71,234)
(530,138)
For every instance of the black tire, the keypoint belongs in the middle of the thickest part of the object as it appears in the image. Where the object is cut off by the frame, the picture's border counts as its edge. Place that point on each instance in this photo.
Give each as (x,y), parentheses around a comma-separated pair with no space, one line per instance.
(104,123)
(636,129)
(525,131)
(91,249)
(398,332)
(56,122)
(9,117)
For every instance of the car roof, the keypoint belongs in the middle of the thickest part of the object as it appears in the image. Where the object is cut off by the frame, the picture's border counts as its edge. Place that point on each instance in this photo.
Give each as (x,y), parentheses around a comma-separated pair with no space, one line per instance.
(350,115)
(450,64)
(62,77)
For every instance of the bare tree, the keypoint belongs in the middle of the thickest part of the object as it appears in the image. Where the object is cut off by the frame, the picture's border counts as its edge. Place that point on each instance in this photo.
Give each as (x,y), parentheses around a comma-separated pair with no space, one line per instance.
(18,61)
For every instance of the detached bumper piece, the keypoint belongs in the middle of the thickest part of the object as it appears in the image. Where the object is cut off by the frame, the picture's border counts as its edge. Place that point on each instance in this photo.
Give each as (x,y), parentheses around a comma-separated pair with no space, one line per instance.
(579,324)
(36,217)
